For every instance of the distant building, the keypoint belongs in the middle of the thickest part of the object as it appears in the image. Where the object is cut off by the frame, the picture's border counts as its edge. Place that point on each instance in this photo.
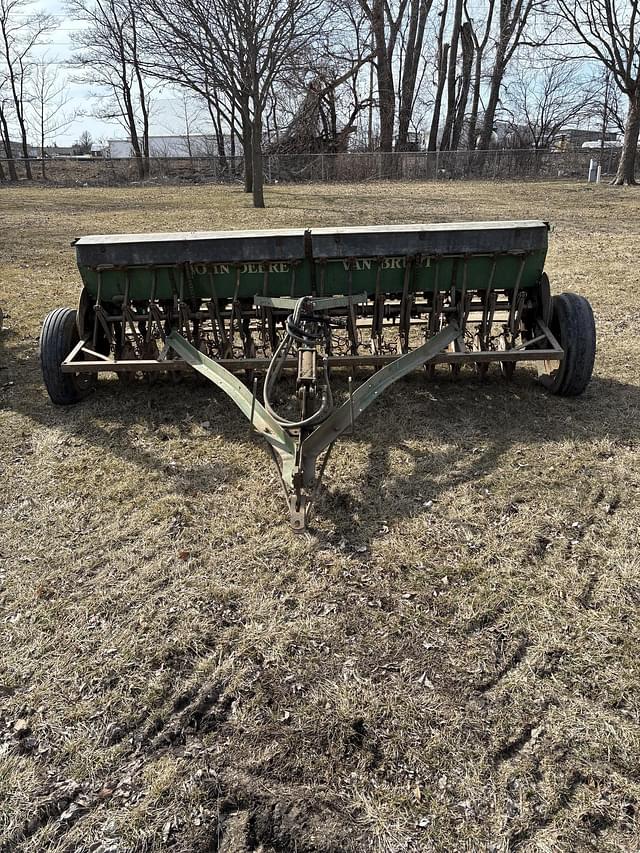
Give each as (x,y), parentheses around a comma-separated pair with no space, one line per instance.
(58,151)
(199,145)
(575,137)
(16,150)
(416,141)
(594,144)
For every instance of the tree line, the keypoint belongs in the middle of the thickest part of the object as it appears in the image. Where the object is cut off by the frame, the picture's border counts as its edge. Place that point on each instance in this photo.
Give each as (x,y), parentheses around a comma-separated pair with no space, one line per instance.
(305,75)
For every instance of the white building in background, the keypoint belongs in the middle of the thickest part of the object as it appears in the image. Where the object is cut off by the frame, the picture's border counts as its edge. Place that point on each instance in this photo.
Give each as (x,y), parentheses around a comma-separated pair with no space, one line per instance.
(198,145)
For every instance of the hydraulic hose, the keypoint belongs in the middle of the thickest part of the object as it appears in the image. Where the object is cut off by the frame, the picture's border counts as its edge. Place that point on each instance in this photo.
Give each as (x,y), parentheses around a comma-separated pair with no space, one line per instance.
(296,333)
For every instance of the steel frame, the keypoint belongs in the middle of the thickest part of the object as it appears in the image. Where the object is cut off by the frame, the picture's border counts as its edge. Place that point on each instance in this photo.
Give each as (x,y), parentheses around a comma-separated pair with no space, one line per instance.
(296,452)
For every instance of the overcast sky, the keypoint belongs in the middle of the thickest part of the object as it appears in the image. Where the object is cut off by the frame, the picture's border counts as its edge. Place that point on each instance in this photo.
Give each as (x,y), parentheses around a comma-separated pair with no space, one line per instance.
(165,108)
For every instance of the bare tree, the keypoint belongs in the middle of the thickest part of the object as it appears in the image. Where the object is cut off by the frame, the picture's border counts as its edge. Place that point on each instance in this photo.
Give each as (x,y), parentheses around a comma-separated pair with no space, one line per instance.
(83,143)
(182,45)
(610,31)
(385,20)
(243,47)
(544,98)
(20,34)
(612,105)
(513,16)
(263,37)
(480,46)
(49,103)
(325,118)
(451,76)
(462,97)
(5,107)
(441,78)
(349,50)
(413,44)
(312,126)
(110,56)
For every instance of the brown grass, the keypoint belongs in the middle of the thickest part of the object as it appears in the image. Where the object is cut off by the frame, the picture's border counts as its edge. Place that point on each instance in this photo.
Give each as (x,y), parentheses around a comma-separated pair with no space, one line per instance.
(448,662)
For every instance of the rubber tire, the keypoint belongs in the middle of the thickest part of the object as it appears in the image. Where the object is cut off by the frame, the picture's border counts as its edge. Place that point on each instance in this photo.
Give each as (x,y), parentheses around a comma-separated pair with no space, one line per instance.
(573,325)
(58,337)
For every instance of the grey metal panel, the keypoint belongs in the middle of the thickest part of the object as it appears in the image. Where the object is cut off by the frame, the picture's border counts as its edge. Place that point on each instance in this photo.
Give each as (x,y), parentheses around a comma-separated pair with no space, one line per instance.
(445,239)
(288,245)
(193,247)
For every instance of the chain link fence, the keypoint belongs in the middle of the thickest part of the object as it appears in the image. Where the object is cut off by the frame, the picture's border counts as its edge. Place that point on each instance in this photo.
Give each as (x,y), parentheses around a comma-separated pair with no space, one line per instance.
(496,165)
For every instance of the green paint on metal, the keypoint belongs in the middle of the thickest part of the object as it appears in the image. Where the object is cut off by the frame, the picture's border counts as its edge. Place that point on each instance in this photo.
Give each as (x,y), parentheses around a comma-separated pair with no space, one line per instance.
(241,265)
(172,282)
(369,391)
(236,390)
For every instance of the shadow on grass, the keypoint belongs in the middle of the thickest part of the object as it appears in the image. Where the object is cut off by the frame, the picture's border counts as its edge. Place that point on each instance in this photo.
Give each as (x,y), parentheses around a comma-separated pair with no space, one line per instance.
(463,435)
(450,431)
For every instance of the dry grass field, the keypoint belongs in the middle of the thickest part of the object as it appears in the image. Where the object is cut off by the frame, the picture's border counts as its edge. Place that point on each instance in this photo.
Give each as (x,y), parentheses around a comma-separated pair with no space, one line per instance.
(447,661)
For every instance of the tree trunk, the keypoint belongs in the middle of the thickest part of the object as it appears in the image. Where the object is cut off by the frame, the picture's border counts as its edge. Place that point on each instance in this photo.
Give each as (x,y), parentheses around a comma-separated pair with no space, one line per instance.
(437,104)
(44,175)
(133,131)
(480,47)
(144,109)
(465,83)
(386,89)
(222,154)
(275,123)
(247,145)
(256,155)
(475,102)
(23,138)
(512,17)
(451,78)
(25,148)
(18,101)
(417,22)
(213,105)
(492,104)
(370,116)
(443,52)
(146,166)
(232,132)
(137,153)
(11,163)
(626,167)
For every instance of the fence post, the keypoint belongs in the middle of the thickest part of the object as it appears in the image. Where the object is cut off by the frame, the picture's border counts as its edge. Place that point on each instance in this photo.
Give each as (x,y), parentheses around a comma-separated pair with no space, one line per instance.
(437,162)
(322,167)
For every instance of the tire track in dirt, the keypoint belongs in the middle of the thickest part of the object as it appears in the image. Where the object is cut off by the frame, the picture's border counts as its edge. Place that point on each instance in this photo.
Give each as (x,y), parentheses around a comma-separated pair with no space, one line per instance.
(69,804)
(190,711)
(485,619)
(247,816)
(564,795)
(511,661)
(526,737)
(591,821)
